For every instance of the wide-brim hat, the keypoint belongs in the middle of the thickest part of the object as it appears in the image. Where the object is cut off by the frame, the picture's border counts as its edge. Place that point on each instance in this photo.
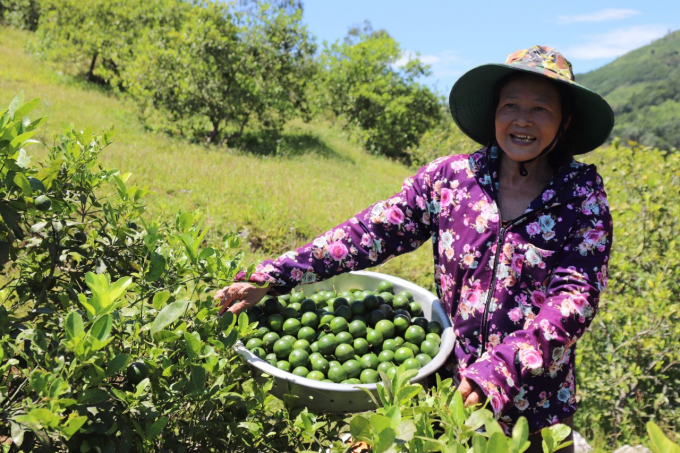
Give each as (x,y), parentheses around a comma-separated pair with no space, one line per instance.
(471,99)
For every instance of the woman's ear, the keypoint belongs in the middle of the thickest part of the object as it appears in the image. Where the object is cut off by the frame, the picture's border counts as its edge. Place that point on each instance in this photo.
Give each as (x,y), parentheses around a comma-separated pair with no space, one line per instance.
(566,125)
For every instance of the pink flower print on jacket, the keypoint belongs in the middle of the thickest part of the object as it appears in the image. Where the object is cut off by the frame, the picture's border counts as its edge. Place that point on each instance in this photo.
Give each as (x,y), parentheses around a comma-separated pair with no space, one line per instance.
(515,294)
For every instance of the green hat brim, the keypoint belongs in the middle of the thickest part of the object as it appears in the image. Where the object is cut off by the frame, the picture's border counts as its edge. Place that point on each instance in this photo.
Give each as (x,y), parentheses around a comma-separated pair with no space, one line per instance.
(471,99)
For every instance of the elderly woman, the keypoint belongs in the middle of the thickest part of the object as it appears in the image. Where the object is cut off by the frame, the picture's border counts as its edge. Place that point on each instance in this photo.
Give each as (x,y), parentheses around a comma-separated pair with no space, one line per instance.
(521,235)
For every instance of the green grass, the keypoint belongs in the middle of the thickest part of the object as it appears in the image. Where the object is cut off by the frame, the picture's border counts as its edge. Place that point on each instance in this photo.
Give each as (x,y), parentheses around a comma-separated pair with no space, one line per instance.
(280,199)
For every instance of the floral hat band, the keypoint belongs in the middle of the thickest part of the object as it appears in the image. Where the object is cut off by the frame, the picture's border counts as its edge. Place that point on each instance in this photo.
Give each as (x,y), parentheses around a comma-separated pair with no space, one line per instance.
(544,60)
(472,104)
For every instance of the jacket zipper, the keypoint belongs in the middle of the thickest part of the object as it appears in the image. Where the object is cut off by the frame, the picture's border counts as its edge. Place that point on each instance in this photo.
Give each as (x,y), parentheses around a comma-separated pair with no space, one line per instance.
(501,236)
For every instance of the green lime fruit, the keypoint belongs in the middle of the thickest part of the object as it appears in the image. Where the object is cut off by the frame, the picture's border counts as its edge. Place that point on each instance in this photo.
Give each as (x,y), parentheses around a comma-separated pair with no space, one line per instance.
(337,374)
(270,306)
(295,306)
(302,345)
(316,375)
(271,358)
(419,321)
(403,354)
(275,322)
(291,327)
(385,286)
(329,295)
(361,346)
(306,333)
(375,317)
(369,377)
(285,298)
(297,297)
(314,346)
(261,332)
(386,328)
(269,340)
(344,312)
(334,363)
(339,324)
(352,368)
(327,380)
(388,298)
(403,312)
(387,311)
(386,356)
(252,317)
(360,318)
(320,364)
(283,365)
(310,319)
(346,381)
(282,348)
(307,305)
(401,323)
(340,302)
(369,360)
(407,295)
(137,371)
(357,328)
(262,320)
(344,352)
(411,364)
(347,295)
(327,344)
(434,337)
(298,357)
(289,313)
(384,366)
(344,338)
(400,341)
(390,345)
(326,319)
(315,355)
(354,381)
(42,203)
(412,347)
(254,343)
(371,302)
(415,335)
(400,302)
(301,371)
(290,338)
(423,359)
(429,347)
(374,338)
(259,352)
(416,309)
(358,308)
(434,327)
(317,298)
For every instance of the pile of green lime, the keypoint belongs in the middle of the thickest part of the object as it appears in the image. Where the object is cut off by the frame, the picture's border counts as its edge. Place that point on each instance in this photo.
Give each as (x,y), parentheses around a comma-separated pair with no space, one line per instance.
(345,337)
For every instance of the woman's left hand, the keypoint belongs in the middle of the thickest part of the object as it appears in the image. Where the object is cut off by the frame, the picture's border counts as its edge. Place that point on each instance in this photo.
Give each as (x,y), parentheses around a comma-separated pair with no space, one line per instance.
(471,393)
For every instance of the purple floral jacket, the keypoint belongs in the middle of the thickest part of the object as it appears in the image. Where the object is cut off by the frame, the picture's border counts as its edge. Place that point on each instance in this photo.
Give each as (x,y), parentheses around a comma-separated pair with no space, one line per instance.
(519,293)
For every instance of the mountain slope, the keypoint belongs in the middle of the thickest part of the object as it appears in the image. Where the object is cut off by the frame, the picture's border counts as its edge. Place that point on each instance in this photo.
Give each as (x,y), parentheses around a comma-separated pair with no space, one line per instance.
(643,88)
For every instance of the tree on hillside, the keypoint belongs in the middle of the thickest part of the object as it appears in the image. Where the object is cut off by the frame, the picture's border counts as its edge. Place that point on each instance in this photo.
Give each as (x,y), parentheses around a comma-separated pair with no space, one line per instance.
(360,82)
(23,14)
(99,37)
(225,68)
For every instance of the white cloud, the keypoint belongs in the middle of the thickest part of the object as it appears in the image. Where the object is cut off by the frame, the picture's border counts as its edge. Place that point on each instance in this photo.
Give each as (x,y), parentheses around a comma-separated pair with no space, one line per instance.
(441,65)
(599,16)
(616,42)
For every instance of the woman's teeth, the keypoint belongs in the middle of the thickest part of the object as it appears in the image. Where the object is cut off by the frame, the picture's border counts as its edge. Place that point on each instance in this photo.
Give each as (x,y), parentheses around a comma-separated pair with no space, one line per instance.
(523,138)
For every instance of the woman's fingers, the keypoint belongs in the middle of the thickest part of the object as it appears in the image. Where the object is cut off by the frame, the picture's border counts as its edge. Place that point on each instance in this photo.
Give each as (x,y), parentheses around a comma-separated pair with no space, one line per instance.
(465,388)
(238,297)
(470,392)
(476,397)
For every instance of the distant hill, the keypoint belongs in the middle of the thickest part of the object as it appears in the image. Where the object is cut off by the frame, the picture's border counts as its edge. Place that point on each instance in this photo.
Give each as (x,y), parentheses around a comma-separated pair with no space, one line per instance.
(643,88)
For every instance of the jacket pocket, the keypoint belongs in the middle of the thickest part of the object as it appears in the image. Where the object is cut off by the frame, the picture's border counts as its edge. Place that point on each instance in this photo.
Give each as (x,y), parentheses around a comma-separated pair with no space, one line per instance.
(535,274)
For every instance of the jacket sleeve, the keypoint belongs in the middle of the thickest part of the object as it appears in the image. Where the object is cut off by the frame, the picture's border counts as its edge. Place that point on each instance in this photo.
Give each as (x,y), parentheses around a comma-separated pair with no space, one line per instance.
(571,303)
(388,228)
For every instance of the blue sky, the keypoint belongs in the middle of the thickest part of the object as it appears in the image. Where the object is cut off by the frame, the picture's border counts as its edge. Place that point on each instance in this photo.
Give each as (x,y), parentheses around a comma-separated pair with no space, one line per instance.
(454,36)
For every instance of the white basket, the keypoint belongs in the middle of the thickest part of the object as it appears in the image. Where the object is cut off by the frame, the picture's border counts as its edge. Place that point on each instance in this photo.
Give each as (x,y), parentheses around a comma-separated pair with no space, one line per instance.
(320,396)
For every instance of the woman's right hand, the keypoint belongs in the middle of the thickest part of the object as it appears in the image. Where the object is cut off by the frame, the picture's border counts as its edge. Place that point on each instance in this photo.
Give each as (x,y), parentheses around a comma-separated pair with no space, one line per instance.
(239,296)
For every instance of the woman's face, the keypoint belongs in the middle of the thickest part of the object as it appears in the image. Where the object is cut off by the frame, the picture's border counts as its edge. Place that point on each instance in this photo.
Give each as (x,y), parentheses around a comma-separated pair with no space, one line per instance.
(528,116)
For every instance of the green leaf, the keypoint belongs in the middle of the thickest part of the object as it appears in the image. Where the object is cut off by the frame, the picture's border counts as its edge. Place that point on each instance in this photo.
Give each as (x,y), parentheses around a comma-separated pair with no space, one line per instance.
(194,344)
(197,379)
(90,397)
(156,428)
(16,103)
(380,423)
(160,298)
(74,423)
(360,428)
(102,328)
(22,181)
(520,436)
(497,442)
(118,363)
(384,441)
(184,222)
(74,326)
(157,266)
(658,440)
(168,315)
(22,111)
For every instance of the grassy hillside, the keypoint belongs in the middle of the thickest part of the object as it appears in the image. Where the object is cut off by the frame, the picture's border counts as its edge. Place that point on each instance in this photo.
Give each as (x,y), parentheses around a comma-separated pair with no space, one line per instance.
(317,179)
(643,88)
